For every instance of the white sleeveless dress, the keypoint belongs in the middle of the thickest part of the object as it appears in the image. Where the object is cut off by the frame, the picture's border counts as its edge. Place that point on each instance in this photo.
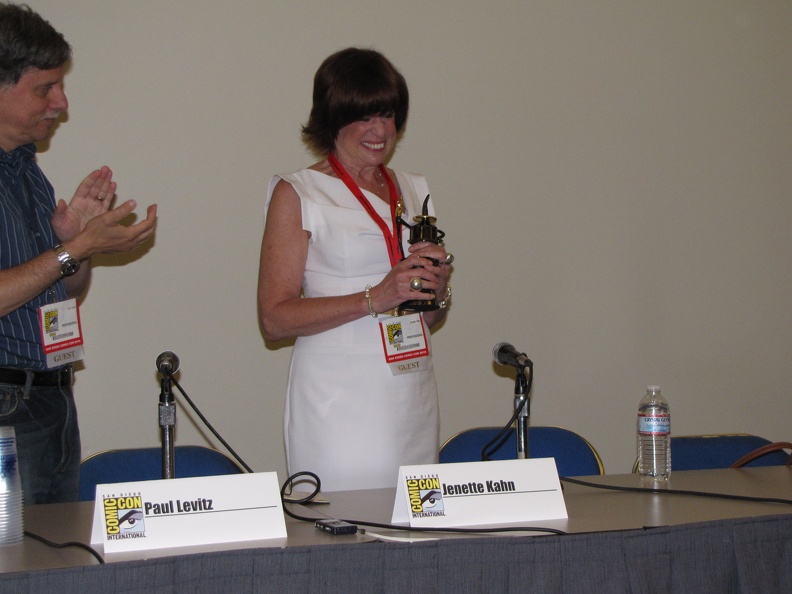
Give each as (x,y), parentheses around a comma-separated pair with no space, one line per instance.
(347,417)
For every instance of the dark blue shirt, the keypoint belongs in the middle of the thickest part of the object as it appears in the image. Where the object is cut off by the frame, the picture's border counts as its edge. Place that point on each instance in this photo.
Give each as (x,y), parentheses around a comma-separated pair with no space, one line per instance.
(27,203)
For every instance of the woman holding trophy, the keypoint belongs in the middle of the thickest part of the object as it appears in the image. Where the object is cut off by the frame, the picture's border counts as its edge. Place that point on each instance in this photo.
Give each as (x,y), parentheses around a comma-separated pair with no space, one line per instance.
(356,285)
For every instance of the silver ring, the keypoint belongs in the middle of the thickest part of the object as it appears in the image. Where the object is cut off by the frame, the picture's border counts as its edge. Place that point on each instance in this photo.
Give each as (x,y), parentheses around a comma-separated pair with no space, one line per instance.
(415,284)
(449,258)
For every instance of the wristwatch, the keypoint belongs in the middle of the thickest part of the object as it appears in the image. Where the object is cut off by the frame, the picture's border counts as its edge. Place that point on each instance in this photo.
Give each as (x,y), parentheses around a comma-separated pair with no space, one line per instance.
(68,264)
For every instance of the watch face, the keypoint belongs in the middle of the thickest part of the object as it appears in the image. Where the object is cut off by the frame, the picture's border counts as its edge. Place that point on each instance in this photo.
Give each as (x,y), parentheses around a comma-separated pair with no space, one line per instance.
(68,264)
(70,267)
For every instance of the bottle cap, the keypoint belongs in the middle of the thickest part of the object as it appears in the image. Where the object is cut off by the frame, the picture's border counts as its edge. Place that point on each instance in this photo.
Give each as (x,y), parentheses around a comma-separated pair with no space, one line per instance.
(652,388)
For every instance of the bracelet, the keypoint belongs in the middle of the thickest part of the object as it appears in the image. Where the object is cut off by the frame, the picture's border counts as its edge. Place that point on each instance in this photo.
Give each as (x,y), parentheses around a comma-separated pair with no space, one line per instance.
(447,299)
(373,313)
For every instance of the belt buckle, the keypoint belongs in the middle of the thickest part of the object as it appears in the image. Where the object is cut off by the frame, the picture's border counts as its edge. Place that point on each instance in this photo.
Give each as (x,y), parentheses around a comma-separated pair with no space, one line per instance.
(29,375)
(68,372)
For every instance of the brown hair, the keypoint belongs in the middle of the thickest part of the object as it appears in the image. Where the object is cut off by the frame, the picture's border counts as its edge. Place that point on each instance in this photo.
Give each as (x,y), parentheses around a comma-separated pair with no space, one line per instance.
(349,86)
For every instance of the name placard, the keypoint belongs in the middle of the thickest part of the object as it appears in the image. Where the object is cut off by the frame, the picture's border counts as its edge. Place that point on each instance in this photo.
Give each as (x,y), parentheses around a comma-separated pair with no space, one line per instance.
(149,515)
(479,493)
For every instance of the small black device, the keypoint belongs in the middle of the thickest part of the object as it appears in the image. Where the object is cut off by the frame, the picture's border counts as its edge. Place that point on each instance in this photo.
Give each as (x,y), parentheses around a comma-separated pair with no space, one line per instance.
(336,526)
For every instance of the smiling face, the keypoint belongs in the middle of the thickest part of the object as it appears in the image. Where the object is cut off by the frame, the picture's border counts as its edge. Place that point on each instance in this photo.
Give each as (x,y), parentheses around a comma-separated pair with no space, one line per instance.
(366,143)
(30,108)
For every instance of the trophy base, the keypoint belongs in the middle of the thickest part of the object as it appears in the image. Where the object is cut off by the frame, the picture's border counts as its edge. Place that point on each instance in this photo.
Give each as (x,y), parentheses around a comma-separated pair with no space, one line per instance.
(418,305)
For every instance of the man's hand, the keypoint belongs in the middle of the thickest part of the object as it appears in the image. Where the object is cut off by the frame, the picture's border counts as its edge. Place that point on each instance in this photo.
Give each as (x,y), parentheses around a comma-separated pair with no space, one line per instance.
(104,234)
(92,198)
(85,227)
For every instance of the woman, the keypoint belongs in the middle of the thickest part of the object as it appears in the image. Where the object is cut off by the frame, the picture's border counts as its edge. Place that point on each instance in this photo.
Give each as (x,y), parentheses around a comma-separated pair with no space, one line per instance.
(333,270)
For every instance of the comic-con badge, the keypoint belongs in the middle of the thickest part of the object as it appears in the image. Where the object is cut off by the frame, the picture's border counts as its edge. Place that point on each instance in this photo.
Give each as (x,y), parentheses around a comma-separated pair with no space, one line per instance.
(61,332)
(405,344)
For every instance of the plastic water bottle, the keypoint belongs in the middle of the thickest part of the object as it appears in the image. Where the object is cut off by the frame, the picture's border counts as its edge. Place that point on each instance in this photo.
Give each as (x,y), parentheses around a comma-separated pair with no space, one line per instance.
(11,522)
(654,435)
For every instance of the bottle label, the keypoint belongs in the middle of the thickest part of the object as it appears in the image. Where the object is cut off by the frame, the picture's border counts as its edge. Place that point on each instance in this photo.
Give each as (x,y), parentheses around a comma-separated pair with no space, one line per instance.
(654,424)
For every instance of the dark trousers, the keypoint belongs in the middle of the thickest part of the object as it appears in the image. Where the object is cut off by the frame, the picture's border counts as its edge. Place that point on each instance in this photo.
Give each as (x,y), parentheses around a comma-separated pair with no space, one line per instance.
(47,441)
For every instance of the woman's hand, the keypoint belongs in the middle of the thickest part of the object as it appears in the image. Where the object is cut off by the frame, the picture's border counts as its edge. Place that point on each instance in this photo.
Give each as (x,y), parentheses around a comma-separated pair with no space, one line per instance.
(398,285)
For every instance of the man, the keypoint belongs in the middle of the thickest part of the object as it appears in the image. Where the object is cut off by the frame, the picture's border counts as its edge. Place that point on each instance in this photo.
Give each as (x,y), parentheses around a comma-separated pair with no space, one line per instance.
(45,251)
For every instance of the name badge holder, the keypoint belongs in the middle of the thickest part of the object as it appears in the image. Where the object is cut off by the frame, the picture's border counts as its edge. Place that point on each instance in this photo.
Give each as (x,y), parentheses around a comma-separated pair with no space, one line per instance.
(405,343)
(61,332)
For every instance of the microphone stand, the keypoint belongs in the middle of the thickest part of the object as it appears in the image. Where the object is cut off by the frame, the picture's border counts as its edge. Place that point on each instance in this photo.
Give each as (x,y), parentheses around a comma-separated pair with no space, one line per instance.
(167,365)
(522,408)
(167,422)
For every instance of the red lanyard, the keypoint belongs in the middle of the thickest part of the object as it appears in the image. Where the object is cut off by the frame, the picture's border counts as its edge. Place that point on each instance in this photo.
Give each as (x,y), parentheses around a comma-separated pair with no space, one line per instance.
(392,239)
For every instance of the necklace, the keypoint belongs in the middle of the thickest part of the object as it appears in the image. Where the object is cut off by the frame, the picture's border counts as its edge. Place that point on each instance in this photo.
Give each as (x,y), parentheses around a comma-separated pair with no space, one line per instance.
(379,178)
(376,185)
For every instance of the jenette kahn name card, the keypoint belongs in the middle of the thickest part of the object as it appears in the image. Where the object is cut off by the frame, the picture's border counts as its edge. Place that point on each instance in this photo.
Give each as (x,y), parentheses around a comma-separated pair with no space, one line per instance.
(479,493)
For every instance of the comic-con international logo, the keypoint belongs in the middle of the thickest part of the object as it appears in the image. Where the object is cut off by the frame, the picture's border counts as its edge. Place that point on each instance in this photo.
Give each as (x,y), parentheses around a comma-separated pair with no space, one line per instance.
(395,334)
(123,517)
(426,499)
(51,324)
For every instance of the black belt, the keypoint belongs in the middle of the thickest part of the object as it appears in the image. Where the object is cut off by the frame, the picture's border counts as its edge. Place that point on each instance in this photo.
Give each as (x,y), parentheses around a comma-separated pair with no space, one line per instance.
(56,378)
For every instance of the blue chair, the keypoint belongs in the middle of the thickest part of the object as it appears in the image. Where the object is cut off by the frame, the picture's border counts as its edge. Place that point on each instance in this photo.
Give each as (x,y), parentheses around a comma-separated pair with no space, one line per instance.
(145,464)
(697,452)
(574,456)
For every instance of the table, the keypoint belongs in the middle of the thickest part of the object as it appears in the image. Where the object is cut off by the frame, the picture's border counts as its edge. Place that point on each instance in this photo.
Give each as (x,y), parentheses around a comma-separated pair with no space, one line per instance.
(617,542)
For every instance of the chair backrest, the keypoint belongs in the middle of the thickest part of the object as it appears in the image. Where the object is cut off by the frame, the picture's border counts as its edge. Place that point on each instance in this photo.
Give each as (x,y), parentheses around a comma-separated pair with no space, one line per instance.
(574,455)
(697,452)
(145,464)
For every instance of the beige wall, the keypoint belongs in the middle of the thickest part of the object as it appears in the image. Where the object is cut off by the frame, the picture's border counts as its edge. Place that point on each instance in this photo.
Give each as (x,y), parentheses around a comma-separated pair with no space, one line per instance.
(612,176)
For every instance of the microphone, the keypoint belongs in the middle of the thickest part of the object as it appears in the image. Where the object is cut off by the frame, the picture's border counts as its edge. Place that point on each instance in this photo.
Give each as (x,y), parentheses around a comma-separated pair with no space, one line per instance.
(168,363)
(506,354)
